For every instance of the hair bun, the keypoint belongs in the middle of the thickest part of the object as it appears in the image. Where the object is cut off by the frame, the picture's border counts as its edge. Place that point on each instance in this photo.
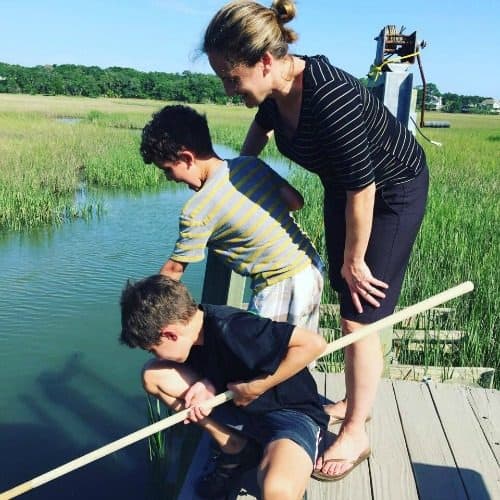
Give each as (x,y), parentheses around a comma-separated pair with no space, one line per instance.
(285,10)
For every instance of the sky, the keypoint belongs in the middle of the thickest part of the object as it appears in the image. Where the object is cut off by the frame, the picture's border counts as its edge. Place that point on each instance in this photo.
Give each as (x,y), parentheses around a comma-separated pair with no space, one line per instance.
(461,55)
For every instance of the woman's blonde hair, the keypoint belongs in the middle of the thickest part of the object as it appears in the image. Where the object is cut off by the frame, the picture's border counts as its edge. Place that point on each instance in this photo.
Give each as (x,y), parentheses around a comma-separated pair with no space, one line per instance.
(242,31)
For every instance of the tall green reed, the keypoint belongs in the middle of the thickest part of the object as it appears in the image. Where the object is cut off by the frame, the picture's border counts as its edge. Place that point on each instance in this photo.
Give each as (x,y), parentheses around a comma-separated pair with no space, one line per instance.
(458,241)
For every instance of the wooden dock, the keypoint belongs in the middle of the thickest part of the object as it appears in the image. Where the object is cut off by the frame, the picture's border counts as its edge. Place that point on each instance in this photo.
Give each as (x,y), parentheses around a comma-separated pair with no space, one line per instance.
(430,441)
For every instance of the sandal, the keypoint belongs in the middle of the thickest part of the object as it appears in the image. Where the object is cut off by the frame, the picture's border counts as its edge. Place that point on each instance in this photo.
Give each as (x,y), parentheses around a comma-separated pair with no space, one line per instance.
(335,419)
(227,469)
(321,476)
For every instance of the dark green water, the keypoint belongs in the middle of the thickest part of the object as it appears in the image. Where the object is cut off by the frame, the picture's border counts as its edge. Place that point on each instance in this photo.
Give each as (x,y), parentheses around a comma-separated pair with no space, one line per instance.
(66,385)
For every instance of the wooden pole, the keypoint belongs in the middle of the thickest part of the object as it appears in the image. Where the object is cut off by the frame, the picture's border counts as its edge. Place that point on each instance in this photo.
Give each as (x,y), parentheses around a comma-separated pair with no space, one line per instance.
(129,439)
(399,316)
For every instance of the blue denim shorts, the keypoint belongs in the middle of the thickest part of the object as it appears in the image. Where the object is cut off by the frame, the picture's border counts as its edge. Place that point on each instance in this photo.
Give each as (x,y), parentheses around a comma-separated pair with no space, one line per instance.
(283,424)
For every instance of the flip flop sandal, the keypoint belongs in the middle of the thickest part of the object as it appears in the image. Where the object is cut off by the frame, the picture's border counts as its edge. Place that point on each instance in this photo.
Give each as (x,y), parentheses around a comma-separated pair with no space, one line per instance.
(227,469)
(335,419)
(321,476)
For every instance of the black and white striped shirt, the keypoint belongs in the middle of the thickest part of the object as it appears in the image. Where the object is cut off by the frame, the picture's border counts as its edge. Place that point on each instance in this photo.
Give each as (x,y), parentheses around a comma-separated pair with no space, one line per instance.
(344,134)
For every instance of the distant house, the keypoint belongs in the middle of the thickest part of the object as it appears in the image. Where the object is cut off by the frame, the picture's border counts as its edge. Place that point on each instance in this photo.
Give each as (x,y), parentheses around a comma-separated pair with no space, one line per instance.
(434,103)
(491,104)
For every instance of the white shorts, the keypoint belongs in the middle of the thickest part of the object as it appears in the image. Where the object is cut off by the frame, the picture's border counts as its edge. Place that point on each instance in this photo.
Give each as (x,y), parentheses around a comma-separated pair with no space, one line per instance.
(294,300)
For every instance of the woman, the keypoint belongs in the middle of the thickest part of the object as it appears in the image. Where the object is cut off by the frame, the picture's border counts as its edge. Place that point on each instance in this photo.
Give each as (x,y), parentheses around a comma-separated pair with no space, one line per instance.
(374,176)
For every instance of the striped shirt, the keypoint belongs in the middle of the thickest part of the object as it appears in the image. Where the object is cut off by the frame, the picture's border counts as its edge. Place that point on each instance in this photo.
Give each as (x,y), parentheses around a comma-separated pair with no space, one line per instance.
(344,134)
(240,215)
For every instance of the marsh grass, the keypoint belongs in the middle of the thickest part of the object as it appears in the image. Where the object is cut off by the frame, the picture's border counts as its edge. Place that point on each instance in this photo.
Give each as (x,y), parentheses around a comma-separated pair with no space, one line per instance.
(170,453)
(158,451)
(459,240)
(45,163)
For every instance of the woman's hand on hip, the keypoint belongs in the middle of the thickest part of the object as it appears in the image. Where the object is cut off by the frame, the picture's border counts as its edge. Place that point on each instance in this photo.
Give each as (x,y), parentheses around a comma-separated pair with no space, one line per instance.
(363,285)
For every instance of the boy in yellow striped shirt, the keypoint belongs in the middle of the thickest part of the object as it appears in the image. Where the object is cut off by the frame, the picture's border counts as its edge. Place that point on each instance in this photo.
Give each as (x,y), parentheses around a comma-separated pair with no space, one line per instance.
(240,209)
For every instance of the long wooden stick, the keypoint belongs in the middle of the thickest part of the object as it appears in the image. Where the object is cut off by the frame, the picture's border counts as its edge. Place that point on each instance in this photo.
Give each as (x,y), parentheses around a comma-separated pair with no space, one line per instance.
(129,439)
(396,317)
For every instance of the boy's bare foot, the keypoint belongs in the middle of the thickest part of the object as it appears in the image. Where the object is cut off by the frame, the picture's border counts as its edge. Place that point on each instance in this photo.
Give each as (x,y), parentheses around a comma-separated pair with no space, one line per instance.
(336,411)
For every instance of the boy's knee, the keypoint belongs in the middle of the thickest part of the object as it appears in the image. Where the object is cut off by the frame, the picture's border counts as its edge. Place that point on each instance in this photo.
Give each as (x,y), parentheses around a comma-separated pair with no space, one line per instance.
(284,470)
(274,488)
(152,374)
(148,378)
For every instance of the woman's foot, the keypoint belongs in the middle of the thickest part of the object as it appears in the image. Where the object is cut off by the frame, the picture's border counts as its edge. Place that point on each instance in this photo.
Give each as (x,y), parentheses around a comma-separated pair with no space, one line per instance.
(343,454)
(337,412)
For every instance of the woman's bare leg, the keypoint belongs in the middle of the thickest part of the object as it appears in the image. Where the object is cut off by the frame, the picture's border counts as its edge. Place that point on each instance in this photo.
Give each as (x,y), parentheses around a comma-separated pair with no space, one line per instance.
(363,369)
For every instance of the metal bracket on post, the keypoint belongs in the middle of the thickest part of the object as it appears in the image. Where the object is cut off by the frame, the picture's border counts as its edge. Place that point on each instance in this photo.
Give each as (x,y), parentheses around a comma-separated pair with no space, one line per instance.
(391,81)
(395,90)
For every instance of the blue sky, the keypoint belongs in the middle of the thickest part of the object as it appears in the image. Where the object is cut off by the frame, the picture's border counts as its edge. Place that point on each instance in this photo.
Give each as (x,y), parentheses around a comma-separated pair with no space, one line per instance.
(462,53)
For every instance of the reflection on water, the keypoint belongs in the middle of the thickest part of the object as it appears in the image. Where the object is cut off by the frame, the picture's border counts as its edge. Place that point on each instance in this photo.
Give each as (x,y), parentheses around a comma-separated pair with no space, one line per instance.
(68,119)
(66,385)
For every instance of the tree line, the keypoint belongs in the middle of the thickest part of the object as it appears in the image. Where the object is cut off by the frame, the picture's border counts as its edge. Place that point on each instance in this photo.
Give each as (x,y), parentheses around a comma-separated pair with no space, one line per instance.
(92,81)
(449,102)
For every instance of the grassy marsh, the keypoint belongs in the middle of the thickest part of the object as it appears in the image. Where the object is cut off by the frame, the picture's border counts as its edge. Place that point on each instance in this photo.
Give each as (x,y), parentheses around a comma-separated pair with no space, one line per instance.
(459,239)
(46,163)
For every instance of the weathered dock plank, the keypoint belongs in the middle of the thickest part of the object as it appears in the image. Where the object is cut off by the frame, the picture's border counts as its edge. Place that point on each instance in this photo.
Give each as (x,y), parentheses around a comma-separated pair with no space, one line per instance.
(465,375)
(473,455)
(429,441)
(390,466)
(433,463)
(486,406)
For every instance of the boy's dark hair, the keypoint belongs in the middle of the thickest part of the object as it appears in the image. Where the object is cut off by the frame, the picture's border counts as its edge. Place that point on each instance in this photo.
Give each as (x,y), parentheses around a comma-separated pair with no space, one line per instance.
(172,130)
(150,304)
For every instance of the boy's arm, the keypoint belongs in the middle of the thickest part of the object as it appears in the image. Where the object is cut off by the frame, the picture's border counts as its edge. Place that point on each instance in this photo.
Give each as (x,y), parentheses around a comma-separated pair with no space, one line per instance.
(173,269)
(292,198)
(288,194)
(304,347)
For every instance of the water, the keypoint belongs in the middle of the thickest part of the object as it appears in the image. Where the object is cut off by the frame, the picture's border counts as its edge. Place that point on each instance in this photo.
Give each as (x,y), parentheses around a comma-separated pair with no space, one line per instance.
(66,385)
(68,119)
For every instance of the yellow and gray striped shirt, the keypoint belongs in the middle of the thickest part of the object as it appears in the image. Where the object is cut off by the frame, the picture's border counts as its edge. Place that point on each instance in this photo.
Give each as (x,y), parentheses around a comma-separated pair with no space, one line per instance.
(240,214)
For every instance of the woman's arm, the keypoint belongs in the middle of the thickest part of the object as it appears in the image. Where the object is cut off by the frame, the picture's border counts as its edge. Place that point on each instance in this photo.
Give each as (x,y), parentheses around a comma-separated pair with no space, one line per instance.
(359,218)
(255,140)
(254,143)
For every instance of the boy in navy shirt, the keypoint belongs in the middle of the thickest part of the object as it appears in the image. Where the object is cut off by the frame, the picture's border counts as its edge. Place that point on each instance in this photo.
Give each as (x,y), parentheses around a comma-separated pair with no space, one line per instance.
(205,349)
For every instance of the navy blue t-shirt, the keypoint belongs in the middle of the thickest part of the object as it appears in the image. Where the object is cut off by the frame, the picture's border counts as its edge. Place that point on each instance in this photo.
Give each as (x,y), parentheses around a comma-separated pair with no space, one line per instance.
(240,346)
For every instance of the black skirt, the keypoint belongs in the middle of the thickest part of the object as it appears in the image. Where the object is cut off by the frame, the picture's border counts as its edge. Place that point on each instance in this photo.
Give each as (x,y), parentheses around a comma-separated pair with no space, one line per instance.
(397,216)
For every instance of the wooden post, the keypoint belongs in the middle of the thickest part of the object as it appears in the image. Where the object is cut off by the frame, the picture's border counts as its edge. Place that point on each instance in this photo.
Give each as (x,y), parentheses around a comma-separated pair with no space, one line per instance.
(222,285)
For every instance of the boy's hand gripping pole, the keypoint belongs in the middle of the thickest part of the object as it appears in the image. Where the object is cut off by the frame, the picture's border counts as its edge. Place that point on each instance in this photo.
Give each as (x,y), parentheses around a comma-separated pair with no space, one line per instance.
(129,439)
